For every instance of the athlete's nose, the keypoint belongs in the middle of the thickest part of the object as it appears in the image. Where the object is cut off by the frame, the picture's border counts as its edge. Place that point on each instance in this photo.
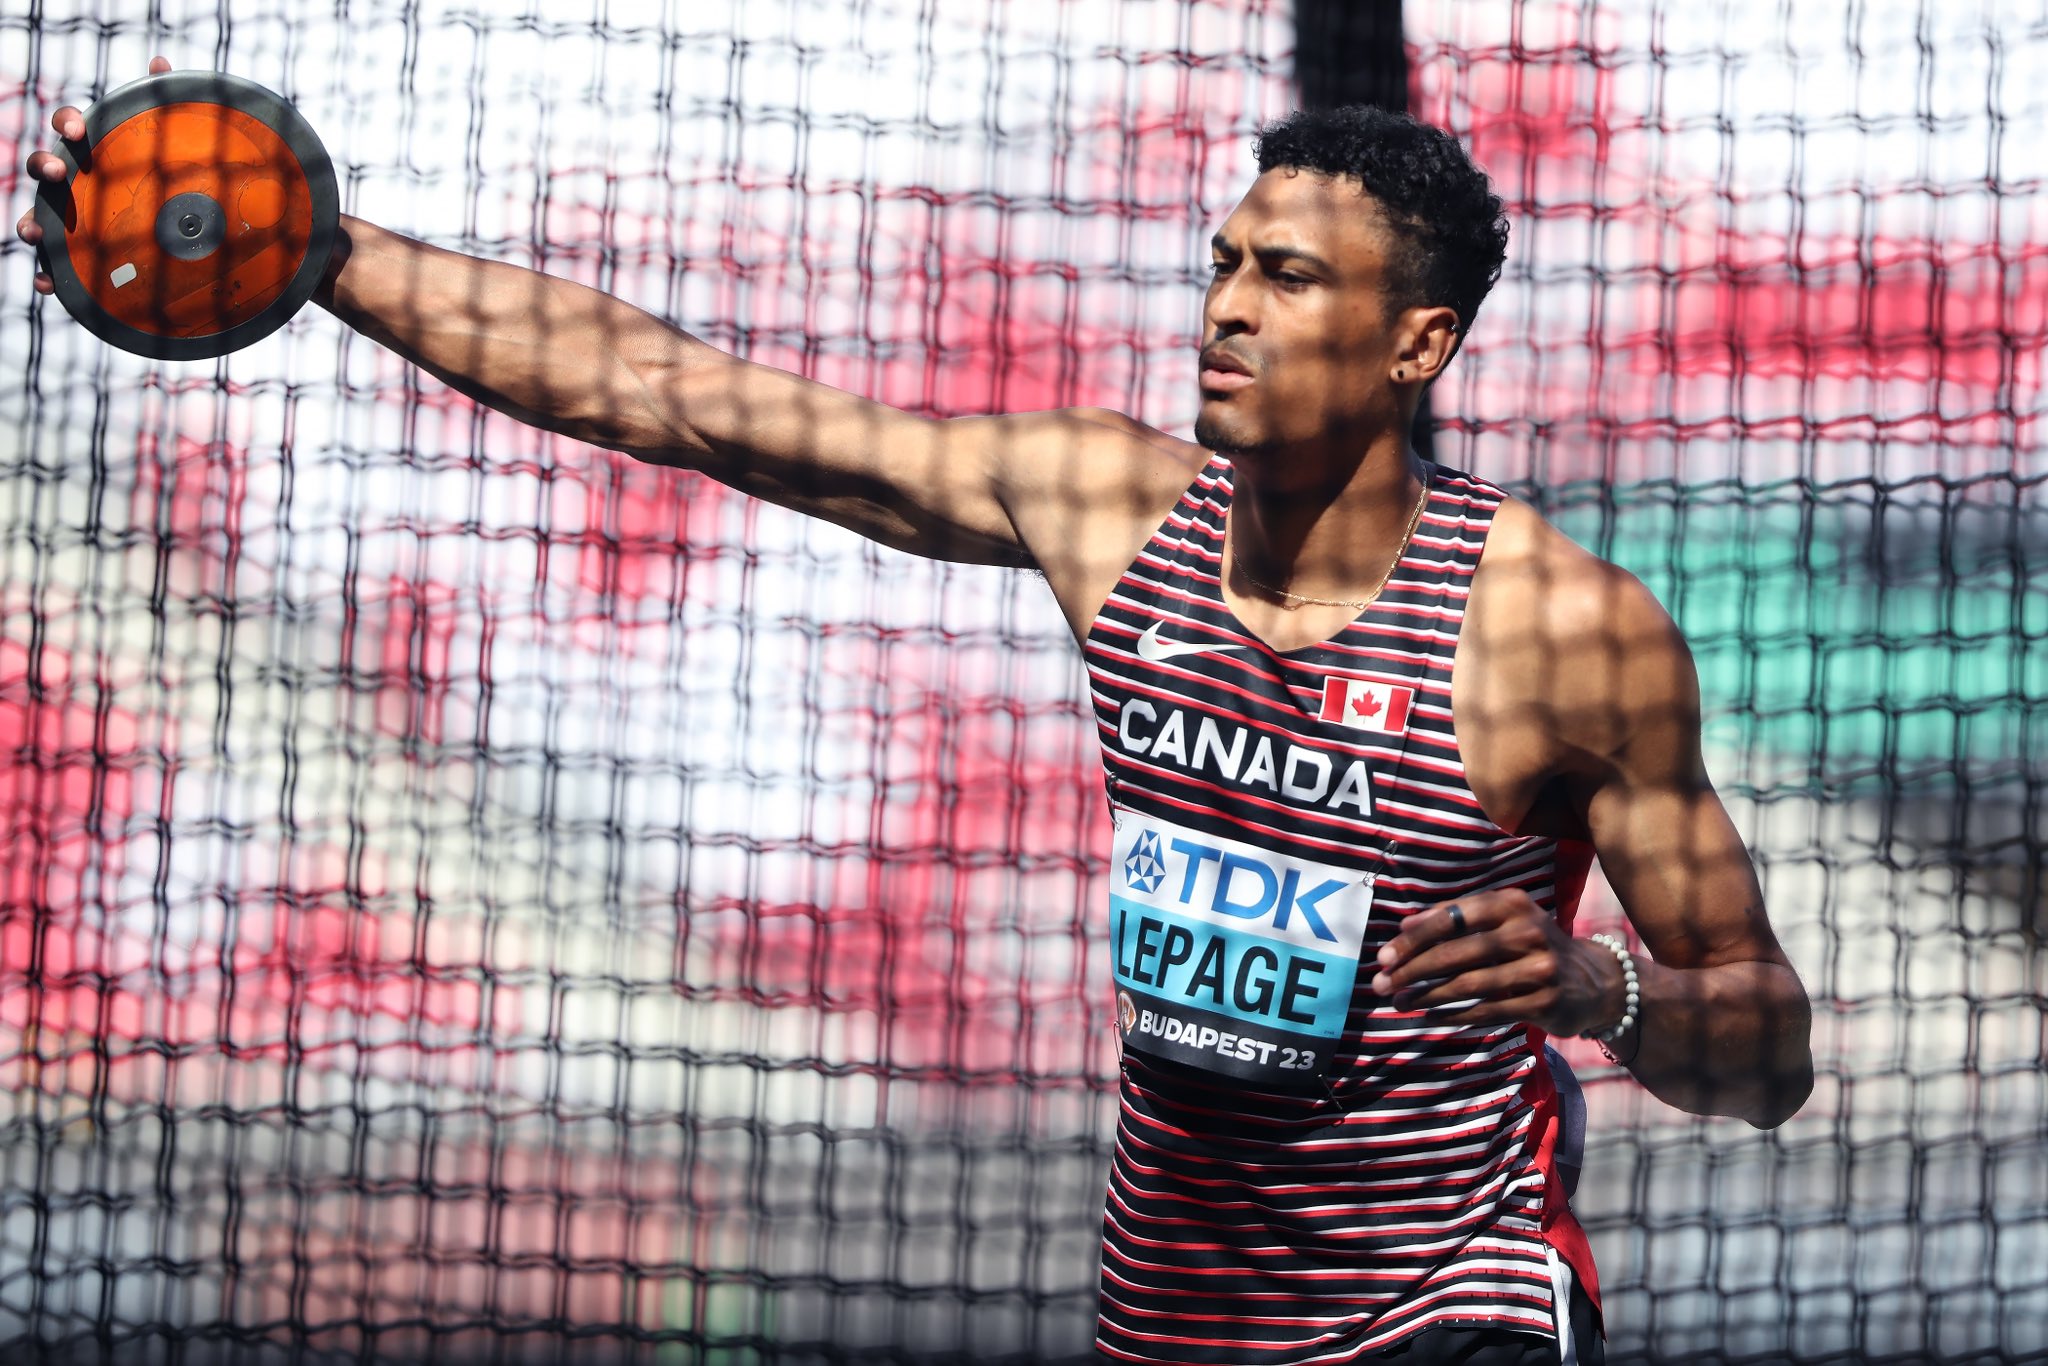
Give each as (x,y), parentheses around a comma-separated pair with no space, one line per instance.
(1230,307)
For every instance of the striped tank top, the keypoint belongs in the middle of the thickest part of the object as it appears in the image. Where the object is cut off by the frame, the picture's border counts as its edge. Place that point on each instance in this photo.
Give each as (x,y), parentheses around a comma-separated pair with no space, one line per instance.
(1303,1173)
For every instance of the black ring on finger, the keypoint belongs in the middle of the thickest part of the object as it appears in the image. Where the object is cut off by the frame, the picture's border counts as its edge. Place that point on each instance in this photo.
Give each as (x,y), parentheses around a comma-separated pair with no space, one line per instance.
(1457,914)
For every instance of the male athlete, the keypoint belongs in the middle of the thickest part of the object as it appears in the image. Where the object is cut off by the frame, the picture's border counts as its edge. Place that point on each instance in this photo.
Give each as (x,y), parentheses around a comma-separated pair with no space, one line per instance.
(1365,719)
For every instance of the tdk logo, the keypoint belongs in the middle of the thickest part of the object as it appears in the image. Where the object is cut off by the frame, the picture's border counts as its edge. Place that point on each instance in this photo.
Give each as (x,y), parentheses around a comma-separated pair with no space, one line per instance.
(1144,869)
(1225,883)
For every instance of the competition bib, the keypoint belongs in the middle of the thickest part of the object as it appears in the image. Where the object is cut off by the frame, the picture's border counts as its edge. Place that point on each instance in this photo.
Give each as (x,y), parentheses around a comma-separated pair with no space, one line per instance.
(1229,957)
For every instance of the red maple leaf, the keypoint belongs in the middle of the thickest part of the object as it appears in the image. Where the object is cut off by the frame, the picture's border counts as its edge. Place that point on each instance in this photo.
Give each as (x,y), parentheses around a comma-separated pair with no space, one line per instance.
(1366,705)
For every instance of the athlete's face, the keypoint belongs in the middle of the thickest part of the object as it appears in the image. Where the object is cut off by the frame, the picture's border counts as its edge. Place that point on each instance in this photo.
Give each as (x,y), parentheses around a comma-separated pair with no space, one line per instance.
(1300,348)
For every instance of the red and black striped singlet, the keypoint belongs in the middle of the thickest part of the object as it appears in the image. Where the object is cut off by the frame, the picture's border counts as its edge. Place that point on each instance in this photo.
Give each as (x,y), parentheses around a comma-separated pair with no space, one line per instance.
(1303,1173)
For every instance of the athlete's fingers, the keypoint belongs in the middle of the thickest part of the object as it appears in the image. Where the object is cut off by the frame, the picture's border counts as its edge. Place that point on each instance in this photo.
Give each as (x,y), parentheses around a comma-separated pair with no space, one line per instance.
(1528,979)
(1474,916)
(1424,929)
(46,166)
(31,232)
(69,123)
(1439,962)
(1565,987)
(41,166)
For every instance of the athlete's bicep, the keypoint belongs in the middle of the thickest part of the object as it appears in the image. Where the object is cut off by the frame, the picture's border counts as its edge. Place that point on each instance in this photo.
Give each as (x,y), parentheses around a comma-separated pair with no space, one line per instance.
(1672,854)
(916,483)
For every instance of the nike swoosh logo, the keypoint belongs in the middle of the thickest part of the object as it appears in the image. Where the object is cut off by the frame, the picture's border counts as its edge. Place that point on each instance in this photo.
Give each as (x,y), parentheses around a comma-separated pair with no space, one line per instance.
(1152,649)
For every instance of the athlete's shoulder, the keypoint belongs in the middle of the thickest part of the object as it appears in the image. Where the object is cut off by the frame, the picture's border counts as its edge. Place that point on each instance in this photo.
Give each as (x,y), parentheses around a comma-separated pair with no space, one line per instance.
(1107,458)
(1534,573)
(1084,488)
(1578,638)
(1123,443)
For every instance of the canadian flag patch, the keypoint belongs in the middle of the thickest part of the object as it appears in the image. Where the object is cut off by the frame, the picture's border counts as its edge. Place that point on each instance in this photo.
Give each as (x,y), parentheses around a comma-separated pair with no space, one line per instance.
(1367,706)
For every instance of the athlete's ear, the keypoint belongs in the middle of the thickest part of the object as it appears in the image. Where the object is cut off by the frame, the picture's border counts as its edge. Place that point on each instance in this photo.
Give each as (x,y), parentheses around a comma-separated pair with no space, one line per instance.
(1425,339)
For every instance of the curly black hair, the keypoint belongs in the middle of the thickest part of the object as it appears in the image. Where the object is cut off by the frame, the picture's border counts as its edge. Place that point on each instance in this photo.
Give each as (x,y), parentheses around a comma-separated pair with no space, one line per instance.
(1450,225)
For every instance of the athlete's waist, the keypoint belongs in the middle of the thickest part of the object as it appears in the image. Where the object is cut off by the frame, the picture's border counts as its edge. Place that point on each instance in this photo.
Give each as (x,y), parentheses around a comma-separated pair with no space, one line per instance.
(1368,1101)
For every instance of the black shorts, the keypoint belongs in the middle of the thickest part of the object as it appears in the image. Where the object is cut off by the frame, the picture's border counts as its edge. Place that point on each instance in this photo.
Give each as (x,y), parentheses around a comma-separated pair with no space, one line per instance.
(1492,1346)
(1500,1346)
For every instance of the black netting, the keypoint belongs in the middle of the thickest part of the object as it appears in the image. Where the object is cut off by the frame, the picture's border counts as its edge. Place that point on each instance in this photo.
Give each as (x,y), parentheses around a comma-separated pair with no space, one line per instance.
(469,897)
(1770,337)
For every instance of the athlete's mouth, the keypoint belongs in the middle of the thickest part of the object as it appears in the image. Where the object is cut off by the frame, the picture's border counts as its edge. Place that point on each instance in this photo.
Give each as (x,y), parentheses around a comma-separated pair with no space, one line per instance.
(1223,372)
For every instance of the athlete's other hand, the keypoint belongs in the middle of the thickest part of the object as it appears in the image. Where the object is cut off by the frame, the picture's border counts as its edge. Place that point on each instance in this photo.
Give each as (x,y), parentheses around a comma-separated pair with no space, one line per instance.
(48,168)
(1511,963)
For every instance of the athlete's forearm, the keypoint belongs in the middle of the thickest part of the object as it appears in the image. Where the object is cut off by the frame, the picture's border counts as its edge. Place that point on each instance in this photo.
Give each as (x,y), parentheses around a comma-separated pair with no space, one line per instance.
(547,351)
(1734,1040)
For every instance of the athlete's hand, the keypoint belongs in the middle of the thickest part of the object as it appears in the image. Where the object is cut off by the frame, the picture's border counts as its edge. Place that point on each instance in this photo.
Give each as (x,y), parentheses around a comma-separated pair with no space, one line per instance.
(1512,962)
(47,167)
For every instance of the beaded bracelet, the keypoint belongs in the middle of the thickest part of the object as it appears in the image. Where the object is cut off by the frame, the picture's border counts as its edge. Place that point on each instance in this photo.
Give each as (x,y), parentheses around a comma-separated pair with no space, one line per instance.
(1631,996)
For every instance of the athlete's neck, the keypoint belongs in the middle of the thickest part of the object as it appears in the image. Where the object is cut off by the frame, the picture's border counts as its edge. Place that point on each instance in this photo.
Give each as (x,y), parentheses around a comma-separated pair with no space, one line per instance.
(1331,541)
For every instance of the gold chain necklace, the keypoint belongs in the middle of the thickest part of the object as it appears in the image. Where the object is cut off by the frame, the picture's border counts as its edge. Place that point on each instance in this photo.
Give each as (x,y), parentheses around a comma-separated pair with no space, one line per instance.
(1294,600)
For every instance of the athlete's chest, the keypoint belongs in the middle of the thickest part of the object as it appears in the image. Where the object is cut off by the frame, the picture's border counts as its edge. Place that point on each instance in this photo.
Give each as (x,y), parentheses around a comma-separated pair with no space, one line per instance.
(1193,704)
(1225,726)
(1259,797)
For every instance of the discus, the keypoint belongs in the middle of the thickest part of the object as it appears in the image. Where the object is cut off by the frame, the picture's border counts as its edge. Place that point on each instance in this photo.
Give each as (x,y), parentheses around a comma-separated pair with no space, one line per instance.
(196,216)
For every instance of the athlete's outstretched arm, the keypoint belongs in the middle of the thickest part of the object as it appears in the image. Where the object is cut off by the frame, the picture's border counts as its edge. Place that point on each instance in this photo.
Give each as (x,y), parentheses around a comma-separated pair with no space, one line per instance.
(1018,490)
(572,360)
(1071,492)
(1724,1025)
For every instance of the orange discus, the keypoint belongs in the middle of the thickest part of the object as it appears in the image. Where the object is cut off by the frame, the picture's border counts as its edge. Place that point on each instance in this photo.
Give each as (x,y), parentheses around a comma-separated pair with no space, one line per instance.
(197,216)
